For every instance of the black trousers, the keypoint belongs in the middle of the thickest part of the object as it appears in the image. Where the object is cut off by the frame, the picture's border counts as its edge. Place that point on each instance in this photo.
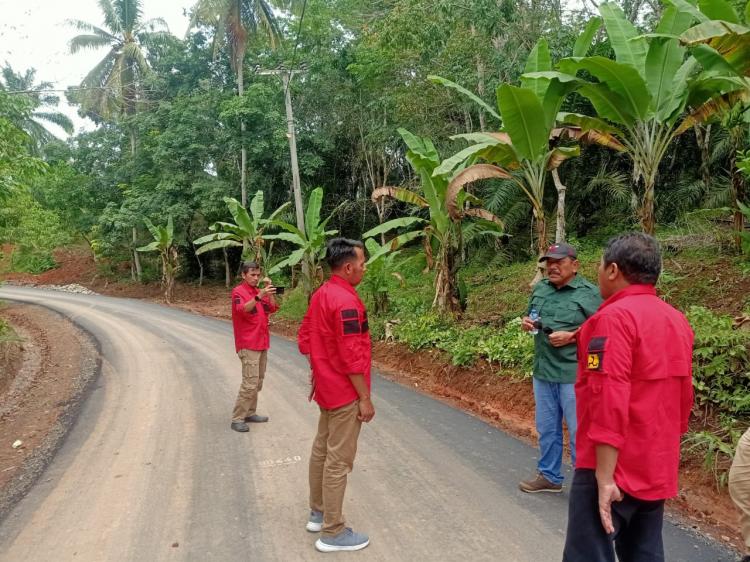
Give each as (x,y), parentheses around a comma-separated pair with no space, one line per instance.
(638,523)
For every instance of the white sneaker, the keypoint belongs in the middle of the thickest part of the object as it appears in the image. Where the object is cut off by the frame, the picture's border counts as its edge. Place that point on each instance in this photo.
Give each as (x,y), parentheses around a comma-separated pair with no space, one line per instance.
(345,540)
(315,522)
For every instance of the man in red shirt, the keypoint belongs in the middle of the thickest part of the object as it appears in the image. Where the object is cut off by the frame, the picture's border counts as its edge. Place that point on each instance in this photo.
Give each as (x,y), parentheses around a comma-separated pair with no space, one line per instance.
(335,337)
(251,308)
(634,395)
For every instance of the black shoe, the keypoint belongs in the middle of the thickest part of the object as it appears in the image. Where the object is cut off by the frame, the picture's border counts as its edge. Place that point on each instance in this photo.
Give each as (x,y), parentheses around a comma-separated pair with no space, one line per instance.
(255,418)
(746,558)
(240,426)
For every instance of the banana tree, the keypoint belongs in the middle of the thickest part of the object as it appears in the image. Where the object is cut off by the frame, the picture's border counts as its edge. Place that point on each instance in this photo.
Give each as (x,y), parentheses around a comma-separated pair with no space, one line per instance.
(442,233)
(643,92)
(381,268)
(164,243)
(311,244)
(722,93)
(531,143)
(247,231)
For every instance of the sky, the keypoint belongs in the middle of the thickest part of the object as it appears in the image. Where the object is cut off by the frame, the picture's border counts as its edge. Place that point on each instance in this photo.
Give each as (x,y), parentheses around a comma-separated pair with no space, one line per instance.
(33,34)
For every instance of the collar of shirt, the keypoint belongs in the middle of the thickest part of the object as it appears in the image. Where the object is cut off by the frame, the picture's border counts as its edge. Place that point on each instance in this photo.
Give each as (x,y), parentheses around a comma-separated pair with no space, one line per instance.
(629,291)
(341,282)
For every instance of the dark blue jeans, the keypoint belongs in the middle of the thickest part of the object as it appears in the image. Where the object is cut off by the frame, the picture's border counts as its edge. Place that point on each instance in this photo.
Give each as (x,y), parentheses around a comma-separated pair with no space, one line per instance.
(638,523)
(554,401)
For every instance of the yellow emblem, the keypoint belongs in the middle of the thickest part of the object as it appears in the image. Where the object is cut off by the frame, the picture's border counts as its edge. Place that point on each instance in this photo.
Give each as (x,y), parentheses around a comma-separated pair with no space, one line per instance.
(593,361)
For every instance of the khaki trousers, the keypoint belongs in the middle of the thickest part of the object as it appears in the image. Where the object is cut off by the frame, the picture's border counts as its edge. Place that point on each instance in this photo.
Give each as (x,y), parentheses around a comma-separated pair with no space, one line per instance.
(739,485)
(332,458)
(253,371)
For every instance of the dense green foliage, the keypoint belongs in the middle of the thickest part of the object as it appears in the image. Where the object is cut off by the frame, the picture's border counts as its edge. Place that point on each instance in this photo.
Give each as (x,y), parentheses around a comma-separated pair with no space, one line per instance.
(170,135)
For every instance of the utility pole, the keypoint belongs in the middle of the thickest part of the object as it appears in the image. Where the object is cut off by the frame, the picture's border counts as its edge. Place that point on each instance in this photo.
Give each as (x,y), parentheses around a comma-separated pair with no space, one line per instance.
(286,79)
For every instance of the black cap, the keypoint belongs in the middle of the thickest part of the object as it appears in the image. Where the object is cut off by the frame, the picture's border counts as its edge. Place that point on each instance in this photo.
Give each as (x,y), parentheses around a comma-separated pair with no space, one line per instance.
(559,251)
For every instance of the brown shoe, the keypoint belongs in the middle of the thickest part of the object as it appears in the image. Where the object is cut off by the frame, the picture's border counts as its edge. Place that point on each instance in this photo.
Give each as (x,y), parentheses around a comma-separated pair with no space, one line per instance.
(539,484)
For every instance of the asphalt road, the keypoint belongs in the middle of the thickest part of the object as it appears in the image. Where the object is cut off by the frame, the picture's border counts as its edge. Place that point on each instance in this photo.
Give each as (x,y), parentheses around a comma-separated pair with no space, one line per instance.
(151,471)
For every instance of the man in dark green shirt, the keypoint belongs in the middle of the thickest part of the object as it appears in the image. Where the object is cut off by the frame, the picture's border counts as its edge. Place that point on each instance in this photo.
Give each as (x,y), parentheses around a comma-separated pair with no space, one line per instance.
(562,302)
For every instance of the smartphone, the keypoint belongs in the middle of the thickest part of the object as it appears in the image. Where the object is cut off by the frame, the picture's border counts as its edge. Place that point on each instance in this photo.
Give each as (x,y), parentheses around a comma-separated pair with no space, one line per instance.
(279,290)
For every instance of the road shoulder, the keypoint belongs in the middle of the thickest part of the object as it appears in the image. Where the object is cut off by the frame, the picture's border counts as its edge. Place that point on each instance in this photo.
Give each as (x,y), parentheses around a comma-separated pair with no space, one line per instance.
(57,367)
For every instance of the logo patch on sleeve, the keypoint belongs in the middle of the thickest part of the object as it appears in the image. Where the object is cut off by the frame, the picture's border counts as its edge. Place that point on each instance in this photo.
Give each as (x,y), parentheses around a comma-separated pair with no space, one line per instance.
(350,321)
(594,361)
(237,300)
(595,353)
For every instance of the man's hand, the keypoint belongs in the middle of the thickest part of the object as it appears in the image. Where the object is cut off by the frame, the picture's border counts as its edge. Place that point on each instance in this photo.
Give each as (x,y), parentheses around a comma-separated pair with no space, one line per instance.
(608,493)
(527,324)
(560,339)
(268,288)
(366,410)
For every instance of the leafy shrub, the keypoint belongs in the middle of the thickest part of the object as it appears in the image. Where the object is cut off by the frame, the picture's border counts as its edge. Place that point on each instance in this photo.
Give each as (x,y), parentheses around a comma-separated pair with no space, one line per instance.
(716,446)
(721,363)
(293,304)
(27,260)
(508,346)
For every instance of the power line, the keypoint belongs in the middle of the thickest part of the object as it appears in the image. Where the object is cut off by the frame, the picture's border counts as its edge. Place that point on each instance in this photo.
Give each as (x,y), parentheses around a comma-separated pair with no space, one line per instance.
(296,41)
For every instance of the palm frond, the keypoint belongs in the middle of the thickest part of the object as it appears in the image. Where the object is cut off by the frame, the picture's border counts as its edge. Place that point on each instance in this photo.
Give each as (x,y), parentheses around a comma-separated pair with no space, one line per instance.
(616,185)
(56,118)
(266,20)
(128,13)
(91,29)
(80,42)
(110,16)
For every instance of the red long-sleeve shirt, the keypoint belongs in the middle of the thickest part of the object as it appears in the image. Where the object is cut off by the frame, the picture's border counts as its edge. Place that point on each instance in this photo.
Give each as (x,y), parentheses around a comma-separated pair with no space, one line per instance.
(634,390)
(336,336)
(251,328)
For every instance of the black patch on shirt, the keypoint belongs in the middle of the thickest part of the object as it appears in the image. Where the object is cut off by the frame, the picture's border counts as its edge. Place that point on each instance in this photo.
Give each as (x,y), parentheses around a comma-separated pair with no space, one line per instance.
(365,327)
(597,344)
(266,307)
(351,327)
(237,300)
(595,354)
(349,313)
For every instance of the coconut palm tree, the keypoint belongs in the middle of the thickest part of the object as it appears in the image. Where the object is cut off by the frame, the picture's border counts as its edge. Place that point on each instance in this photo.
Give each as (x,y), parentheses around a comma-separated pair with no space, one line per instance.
(234,21)
(113,87)
(43,106)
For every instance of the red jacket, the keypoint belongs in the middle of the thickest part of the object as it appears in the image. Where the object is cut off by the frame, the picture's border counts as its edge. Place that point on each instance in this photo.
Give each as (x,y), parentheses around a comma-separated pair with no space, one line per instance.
(250,328)
(335,334)
(635,390)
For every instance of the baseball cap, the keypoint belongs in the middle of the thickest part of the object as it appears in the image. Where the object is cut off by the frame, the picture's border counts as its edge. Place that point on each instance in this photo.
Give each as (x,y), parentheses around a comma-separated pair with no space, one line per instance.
(559,251)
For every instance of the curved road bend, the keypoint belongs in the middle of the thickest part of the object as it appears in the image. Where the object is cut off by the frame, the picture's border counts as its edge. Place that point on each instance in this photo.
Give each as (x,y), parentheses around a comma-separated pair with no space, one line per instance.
(151,471)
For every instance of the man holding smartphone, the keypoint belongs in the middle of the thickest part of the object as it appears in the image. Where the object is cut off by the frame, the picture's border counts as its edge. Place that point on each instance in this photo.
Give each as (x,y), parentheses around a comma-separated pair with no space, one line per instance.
(251,309)
(562,301)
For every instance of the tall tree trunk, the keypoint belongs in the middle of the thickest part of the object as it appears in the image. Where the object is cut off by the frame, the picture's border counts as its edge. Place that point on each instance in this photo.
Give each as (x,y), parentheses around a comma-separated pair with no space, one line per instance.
(136,257)
(736,135)
(703,139)
(541,242)
(648,220)
(240,69)
(446,282)
(560,227)
(227,273)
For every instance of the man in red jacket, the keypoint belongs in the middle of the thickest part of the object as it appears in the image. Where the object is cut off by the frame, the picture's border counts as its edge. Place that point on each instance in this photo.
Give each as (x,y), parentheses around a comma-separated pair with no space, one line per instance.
(336,339)
(251,308)
(634,395)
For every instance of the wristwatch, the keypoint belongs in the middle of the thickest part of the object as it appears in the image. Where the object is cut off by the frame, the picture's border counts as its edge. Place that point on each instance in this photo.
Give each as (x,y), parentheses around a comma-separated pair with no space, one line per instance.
(257,298)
